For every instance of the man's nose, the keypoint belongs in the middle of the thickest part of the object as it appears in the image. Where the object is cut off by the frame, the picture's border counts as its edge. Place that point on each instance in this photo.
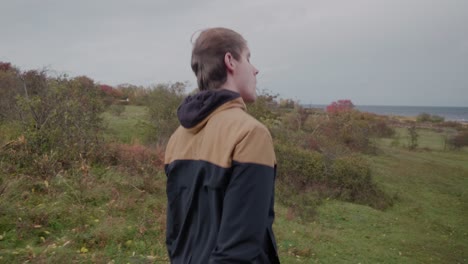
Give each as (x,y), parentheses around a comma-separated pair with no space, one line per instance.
(256,71)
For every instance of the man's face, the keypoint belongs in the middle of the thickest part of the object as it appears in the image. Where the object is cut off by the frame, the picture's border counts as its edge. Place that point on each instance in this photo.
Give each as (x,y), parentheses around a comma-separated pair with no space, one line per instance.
(245,77)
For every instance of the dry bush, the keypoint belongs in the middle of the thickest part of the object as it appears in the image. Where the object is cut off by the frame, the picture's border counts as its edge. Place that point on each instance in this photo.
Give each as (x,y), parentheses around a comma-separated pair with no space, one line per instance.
(459,141)
(345,132)
(451,124)
(134,158)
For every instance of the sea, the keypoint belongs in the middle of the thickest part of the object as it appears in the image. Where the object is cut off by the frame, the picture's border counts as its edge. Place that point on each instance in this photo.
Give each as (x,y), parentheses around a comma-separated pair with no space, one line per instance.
(459,114)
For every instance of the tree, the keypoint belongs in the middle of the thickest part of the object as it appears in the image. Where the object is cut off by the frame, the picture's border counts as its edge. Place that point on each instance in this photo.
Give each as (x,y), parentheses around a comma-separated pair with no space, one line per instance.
(413,137)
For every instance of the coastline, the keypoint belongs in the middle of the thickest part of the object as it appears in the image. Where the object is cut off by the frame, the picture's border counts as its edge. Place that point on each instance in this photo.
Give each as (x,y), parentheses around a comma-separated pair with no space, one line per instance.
(410,113)
(413,119)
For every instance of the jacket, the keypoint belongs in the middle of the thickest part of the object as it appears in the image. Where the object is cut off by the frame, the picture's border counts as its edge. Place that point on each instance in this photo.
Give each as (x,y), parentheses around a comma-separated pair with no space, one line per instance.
(221,168)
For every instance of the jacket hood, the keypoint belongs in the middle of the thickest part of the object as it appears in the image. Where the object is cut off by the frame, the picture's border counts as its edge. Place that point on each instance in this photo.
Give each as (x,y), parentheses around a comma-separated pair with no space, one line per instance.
(197,109)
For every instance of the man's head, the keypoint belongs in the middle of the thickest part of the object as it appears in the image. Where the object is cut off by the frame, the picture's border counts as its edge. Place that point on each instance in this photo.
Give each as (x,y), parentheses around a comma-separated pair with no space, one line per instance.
(221,59)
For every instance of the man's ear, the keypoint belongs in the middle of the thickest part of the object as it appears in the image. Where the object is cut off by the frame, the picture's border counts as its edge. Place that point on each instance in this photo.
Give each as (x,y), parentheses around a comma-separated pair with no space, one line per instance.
(229,61)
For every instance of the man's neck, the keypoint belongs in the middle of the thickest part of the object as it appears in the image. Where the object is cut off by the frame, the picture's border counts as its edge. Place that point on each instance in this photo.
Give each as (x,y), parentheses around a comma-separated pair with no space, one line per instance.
(229,85)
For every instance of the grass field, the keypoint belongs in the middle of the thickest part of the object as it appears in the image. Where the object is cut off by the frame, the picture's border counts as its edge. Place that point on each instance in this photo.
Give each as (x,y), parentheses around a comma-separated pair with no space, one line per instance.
(427,224)
(129,127)
(110,216)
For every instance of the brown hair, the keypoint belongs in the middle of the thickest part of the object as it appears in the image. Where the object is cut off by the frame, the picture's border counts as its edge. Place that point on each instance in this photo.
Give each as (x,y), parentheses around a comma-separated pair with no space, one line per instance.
(208,54)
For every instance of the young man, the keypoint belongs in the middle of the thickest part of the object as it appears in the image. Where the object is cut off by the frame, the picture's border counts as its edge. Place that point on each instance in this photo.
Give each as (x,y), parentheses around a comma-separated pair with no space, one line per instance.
(220,163)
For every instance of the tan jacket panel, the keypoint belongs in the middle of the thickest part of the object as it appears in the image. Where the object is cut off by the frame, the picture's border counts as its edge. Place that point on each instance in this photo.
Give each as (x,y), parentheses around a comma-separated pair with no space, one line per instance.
(229,133)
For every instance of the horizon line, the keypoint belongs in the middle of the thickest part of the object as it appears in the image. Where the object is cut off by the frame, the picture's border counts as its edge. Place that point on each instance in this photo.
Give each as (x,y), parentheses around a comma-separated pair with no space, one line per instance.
(390,105)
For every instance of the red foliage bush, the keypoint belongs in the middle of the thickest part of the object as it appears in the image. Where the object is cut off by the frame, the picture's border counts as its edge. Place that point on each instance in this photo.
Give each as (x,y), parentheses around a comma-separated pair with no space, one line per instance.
(340,106)
(5,66)
(111,94)
(106,88)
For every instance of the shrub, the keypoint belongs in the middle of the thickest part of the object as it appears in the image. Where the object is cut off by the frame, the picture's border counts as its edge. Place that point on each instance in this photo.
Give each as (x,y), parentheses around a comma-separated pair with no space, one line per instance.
(451,124)
(59,120)
(350,175)
(460,140)
(425,117)
(350,179)
(162,103)
(286,103)
(437,119)
(298,167)
(340,106)
(306,176)
(296,118)
(11,86)
(134,158)
(297,171)
(263,107)
(346,129)
(72,124)
(283,135)
(381,129)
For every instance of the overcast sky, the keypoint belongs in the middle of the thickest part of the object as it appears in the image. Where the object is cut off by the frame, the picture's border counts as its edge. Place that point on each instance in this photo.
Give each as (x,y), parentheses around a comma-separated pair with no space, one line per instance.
(377,52)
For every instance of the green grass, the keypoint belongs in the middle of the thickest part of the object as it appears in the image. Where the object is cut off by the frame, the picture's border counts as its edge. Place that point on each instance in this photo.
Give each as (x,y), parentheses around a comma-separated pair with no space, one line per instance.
(110,215)
(427,224)
(129,127)
(99,212)
(105,215)
(428,139)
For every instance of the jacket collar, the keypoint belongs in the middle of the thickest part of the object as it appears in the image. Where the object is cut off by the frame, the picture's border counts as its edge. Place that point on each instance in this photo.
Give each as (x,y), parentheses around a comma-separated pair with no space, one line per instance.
(197,109)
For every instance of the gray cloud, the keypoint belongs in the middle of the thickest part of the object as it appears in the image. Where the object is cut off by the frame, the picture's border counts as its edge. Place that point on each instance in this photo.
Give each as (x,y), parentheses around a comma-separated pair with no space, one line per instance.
(393,52)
